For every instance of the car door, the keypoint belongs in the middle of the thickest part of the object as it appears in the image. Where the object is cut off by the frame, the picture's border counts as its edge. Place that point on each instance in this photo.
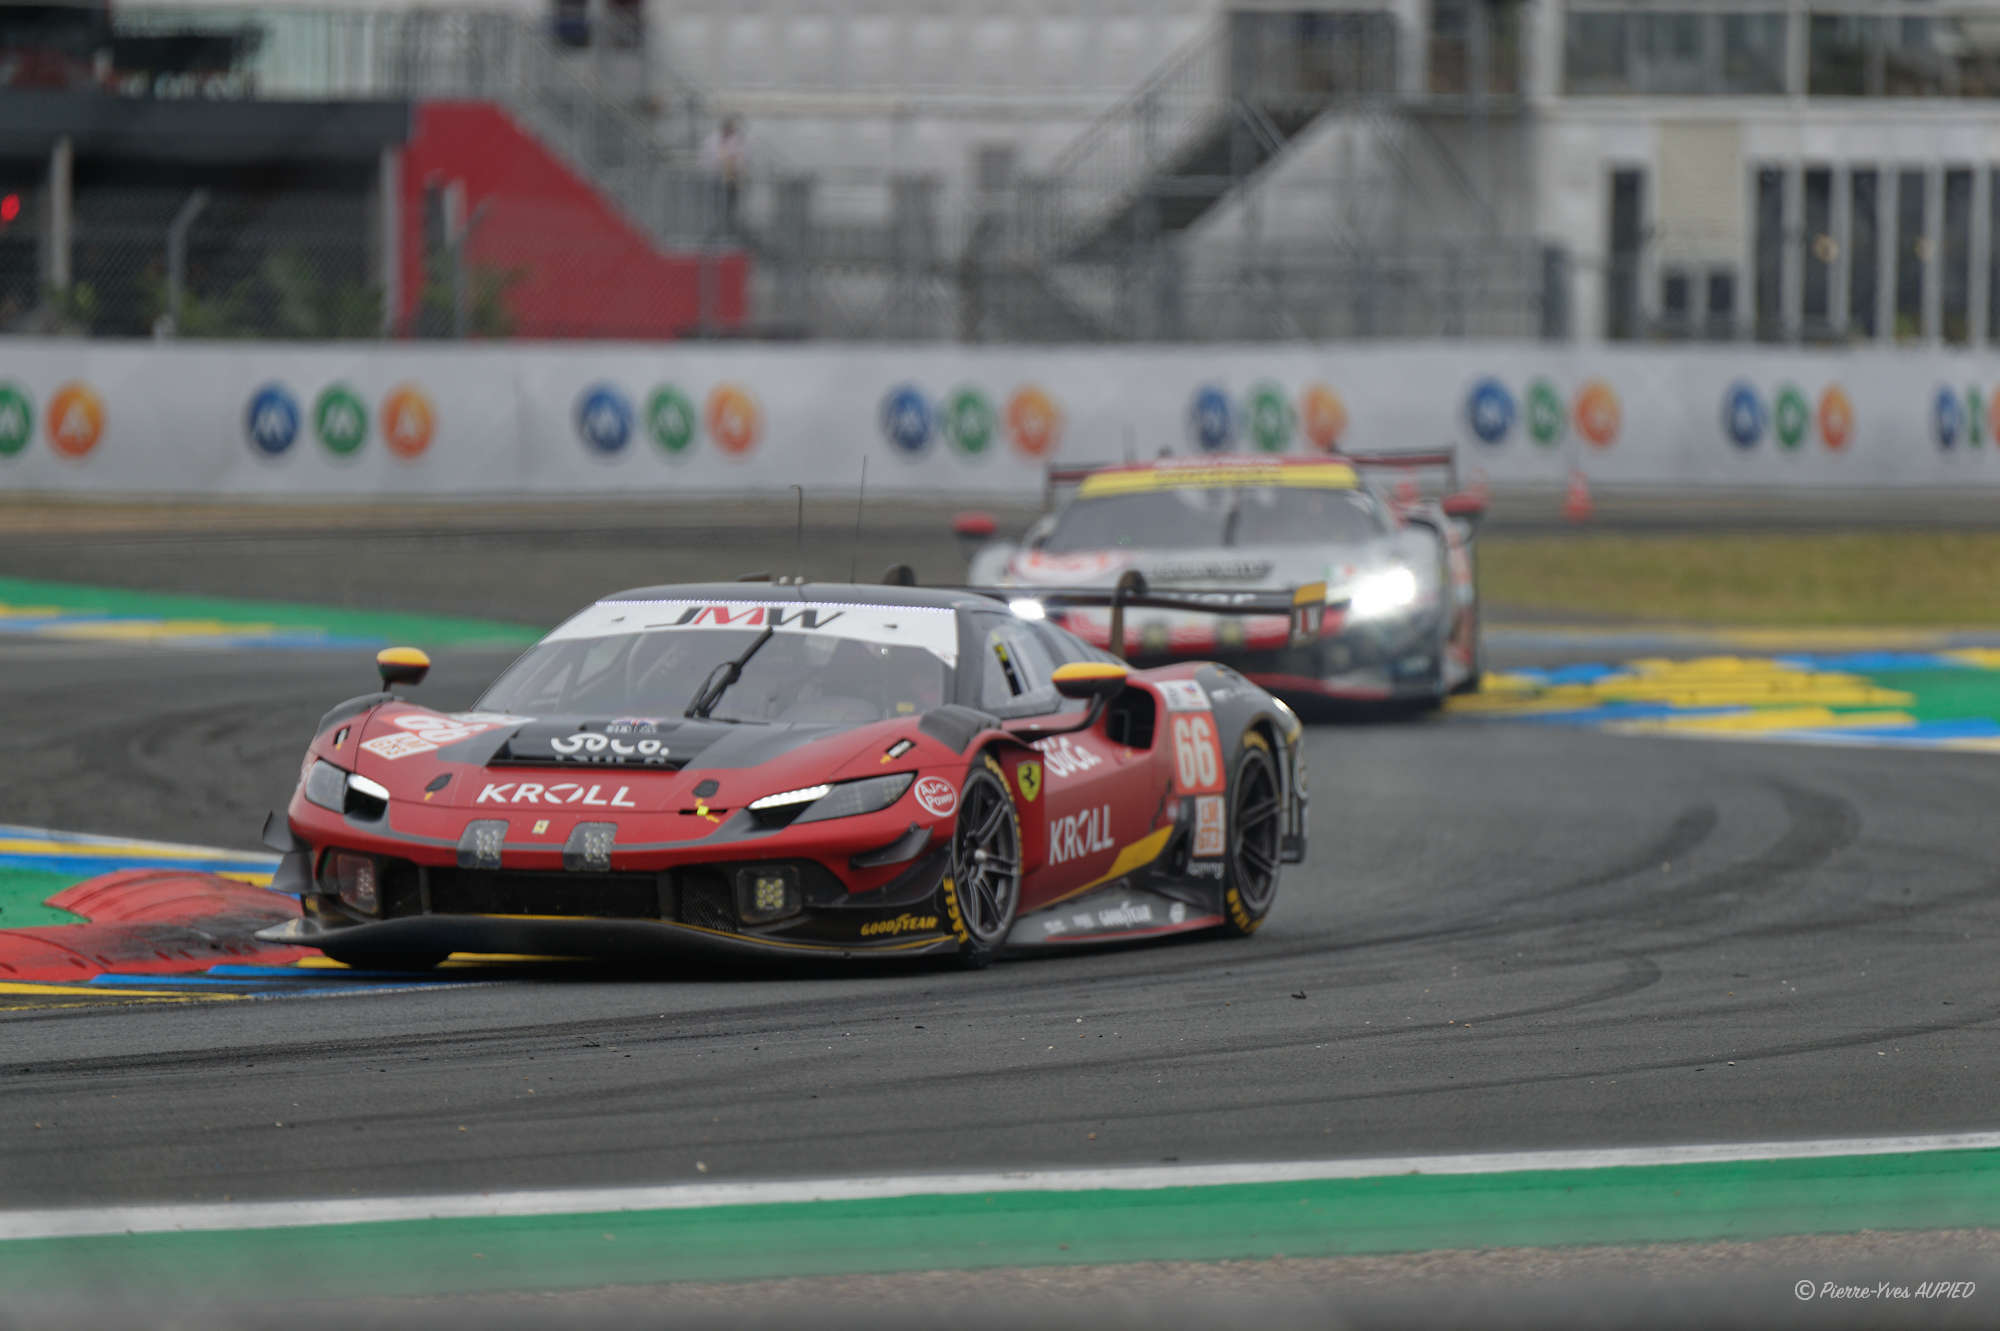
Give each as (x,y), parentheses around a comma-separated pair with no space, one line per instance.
(1097,797)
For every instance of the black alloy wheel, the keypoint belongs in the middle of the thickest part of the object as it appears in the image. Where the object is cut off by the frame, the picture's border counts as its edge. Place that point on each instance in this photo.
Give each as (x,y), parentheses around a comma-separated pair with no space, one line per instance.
(1256,826)
(985,886)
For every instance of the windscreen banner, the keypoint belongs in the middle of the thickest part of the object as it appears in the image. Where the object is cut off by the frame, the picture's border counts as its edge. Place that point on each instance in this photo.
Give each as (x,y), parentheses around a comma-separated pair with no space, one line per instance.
(464,420)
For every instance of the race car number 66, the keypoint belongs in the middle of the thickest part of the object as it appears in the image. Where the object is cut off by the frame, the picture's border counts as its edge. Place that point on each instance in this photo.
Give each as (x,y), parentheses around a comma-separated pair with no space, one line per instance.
(1197,754)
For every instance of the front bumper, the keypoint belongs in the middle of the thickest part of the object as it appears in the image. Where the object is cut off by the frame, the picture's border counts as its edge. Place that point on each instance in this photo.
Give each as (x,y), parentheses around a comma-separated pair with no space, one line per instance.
(684,909)
(602,939)
(1392,659)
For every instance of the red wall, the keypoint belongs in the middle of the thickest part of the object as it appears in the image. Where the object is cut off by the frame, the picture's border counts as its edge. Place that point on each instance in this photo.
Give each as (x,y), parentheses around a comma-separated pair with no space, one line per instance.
(585,270)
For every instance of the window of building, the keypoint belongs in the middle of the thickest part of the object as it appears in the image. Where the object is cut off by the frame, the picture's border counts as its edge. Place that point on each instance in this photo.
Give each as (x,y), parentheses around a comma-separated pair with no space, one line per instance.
(1769,249)
(1857,55)
(1627,238)
(1816,294)
(1672,51)
(1913,255)
(1993,259)
(1864,253)
(1753,54)
(1676,302)
(1955,277)
(1595,58)
(1719,318)
(1475,47)
(1842,56)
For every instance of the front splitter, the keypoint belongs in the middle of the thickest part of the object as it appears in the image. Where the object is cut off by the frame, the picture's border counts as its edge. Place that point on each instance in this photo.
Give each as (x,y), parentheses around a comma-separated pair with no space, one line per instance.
(565,936)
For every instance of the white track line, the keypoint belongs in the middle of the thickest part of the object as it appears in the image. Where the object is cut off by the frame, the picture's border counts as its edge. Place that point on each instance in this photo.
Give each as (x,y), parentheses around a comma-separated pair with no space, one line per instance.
(81,1221)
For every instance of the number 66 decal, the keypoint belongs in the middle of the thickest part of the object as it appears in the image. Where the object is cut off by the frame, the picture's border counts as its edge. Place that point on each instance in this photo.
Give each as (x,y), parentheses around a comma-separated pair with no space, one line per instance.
(1197,753)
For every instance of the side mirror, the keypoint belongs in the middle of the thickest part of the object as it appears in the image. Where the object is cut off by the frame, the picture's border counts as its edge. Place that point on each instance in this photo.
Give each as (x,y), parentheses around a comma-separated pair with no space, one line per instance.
(1468,504)
(1095,681)
(402,665)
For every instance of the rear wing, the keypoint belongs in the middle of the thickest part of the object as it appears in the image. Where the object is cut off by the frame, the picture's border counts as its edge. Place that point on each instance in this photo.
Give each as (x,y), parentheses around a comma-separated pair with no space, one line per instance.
(1402,475)
(1060,474)
(1304,608)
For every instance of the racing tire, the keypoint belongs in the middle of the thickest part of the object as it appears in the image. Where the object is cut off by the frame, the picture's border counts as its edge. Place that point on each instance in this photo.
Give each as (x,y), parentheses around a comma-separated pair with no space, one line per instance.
(1256,829)
(402,962)
(982,889)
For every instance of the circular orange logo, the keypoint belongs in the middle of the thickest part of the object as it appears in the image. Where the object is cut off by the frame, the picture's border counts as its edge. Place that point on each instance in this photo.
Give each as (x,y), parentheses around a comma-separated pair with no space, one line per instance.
(1034,421)
(732,418)
(1836,417)
(1324,415)
(1597,413)
(408,421)
(75,420)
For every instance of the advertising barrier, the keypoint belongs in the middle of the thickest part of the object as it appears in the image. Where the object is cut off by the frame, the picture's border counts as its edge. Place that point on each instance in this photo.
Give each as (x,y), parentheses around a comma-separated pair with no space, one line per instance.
(458,420)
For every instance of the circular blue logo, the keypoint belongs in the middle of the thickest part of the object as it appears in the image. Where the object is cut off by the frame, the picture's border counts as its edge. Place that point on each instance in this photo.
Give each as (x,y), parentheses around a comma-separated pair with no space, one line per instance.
(1210,419)
(1947,417)
(1489,410)
(906,419)
(1742,415)
(604,419)
(272,421)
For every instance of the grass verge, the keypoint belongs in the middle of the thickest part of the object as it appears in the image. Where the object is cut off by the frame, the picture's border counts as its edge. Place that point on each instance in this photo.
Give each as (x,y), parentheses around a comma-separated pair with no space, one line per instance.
(1804,579)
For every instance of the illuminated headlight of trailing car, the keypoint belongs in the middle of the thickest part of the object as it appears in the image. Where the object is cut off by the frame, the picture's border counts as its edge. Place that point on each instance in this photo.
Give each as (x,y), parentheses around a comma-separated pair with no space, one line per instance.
(1384,593)
(345,792)
(1028,608)
(845,799)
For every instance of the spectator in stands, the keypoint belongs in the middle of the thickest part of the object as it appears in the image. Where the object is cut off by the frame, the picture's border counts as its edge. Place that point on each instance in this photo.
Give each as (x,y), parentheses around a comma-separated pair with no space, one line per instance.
(725,161)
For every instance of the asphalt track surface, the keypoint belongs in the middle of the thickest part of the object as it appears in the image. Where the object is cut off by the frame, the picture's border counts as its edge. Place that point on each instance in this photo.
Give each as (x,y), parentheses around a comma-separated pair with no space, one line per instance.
(1507,937)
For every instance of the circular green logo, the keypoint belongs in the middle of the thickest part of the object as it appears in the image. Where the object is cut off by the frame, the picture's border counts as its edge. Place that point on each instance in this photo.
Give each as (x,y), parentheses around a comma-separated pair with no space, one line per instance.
(1791,415)
(1546,418)
(670,418)
(1271,419)
(969,421)
(17,420)
(340,419)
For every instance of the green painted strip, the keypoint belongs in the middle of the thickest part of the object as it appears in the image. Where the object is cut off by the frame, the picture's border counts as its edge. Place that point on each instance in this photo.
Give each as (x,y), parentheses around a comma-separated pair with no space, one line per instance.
(23,897)
(1965,693)
(417,629)
(1400,1213)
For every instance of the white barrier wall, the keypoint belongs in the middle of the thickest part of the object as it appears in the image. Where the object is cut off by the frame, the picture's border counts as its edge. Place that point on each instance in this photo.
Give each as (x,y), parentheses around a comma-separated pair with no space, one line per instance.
(416,418)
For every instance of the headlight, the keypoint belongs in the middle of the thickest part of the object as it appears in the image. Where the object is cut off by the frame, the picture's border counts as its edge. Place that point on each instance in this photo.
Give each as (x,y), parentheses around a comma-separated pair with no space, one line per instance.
(342,791)
(843,800)
(326,786)
(1388,592)
(1025,608)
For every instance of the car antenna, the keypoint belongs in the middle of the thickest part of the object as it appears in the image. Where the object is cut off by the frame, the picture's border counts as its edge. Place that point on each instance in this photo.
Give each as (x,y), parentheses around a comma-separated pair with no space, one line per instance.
(860,500)
(799,531)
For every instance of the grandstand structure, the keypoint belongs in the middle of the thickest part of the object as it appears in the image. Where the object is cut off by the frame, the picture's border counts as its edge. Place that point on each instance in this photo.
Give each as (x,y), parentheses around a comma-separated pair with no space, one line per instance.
(1092,170)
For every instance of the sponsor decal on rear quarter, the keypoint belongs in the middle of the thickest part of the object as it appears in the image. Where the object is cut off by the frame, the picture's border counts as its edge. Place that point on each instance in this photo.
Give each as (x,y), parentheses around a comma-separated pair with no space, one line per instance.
(938,796)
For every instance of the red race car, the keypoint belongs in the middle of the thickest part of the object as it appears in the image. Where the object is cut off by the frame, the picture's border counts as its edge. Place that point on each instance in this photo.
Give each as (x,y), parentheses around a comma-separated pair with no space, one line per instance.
(793,769)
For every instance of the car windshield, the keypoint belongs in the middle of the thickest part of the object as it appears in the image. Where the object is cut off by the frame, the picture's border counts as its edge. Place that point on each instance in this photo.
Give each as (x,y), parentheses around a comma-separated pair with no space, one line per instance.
(1215,516)
(829,664)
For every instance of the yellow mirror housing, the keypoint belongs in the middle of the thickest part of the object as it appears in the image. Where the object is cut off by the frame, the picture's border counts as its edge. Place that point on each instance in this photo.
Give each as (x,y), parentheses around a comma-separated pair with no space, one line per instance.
(402,665)
(1089,679)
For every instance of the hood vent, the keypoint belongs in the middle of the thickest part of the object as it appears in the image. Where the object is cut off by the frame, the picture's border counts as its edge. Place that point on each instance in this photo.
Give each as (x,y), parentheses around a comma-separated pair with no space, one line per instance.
(642,745)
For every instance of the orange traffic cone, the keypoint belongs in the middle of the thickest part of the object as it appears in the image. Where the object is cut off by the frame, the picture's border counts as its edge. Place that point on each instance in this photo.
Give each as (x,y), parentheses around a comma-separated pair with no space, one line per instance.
(1576,504)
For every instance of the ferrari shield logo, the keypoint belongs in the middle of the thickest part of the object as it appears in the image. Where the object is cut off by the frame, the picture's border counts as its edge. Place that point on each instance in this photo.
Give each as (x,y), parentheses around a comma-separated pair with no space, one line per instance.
(1029,776)
(541,826)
